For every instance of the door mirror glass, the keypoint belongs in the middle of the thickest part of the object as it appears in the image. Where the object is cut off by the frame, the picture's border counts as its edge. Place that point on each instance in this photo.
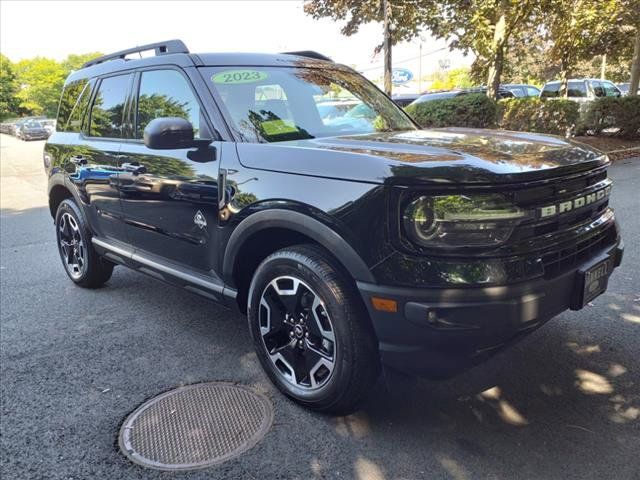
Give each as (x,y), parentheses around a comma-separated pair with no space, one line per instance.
(168,133)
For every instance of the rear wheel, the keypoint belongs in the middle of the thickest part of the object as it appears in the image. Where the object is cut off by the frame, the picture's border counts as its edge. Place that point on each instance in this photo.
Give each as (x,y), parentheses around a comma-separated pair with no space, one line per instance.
(81,262)
(310,330)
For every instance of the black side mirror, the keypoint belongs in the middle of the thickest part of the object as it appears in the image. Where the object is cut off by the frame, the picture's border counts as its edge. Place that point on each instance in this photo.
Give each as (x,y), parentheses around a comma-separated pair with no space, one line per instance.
(169,133)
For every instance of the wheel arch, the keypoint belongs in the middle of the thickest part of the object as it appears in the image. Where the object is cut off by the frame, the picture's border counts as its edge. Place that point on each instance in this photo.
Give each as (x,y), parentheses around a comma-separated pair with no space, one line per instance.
(57,193)
(266,231)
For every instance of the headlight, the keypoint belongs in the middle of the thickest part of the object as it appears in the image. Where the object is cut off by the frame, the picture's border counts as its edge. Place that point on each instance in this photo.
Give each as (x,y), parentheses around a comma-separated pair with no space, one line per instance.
(461,220)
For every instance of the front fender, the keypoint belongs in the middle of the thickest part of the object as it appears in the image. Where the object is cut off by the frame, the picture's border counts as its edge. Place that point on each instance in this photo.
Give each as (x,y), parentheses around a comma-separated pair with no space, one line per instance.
(301,223)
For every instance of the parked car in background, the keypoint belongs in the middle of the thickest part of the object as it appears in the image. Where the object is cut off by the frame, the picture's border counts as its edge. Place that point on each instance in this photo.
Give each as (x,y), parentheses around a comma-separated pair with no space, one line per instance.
(49,125)
(428,97)
(582,90)
(32,130)
(521,90)
(7,127)
(17,124)
(624,88)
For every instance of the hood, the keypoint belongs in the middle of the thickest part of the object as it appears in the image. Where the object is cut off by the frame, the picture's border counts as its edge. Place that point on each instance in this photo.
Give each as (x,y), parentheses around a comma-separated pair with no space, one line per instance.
(450,155)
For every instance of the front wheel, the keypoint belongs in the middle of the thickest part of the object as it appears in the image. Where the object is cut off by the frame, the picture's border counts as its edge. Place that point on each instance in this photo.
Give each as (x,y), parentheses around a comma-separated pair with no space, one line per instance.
(81,262)
(310,330)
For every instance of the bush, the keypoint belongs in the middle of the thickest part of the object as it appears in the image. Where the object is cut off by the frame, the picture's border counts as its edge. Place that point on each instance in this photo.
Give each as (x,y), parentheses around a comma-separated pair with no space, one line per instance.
(556,116)
(622,113)
(473,110)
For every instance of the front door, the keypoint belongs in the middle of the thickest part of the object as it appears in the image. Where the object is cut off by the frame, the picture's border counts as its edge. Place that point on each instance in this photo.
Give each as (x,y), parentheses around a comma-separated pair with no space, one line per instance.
(169,201)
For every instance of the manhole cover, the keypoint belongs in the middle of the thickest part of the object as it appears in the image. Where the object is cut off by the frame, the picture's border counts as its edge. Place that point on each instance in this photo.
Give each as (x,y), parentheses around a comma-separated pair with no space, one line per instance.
(195,426)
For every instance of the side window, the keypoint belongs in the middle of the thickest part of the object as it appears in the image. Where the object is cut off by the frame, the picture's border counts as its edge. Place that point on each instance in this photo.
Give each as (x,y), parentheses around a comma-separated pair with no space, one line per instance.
(73,106)
(550,90)
(166,93)
(532,92)
(107,112)
(610,90)
(576,89)
(598,90)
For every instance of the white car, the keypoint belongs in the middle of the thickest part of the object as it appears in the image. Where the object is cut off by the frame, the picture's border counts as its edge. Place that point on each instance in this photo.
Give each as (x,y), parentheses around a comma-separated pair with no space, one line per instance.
(582,90)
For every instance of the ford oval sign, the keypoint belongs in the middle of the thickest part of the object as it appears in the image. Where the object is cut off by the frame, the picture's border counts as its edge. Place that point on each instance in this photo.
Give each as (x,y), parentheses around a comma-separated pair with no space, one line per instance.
(401,75)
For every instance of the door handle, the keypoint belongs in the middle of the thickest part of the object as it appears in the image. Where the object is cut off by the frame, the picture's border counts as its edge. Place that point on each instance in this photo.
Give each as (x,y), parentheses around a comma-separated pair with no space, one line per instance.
(134,167)
(78,159)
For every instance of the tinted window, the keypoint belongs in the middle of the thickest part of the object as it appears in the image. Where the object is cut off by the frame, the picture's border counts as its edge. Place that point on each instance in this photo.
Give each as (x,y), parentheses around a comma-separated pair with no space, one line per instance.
(290,103)
(576,89)
(598,90)
(610,90)
(166,93)
(550,90)
(73,106)
(107,113)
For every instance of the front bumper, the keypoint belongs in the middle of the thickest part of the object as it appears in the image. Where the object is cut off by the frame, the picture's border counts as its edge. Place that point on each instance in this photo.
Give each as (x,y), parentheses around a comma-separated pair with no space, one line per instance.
(441,332)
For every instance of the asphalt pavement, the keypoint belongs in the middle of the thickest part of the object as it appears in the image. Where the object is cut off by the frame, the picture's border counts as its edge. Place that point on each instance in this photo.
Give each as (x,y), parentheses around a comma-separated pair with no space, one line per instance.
(562,404)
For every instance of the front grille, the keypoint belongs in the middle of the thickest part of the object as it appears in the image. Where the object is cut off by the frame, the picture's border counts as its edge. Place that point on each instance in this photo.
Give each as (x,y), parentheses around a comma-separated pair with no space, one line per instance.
(570,256)
(532,199)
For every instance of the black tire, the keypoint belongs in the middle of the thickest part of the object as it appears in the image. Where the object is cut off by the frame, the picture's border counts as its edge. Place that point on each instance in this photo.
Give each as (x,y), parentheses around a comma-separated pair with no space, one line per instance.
(74,244)
(349,365)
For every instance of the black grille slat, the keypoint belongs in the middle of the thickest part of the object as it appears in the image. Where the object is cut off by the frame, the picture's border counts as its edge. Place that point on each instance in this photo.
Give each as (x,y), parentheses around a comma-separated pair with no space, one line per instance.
(570,256)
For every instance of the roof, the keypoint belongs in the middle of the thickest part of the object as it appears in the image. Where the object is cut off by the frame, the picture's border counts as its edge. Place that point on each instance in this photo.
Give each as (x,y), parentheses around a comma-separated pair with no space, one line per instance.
(174,52)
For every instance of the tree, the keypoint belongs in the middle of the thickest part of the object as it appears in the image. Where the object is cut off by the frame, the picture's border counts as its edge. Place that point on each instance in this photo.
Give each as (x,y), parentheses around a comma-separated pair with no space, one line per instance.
(40,81)
(403,20)
(581,29)
(484,27)
(481,26)
(9,105)
(75,61)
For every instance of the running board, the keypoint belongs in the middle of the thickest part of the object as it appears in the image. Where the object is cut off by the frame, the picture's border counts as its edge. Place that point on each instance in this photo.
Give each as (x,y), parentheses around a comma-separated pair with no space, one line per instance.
(212,288)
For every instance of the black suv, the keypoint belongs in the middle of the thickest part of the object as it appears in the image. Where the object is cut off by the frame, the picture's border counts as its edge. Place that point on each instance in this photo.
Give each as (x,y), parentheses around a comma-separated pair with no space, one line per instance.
(351,240)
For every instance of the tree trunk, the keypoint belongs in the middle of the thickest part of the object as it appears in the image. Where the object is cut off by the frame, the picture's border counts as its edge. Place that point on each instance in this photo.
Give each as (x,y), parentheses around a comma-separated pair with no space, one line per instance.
(564,79)
(497,61)
(386,5)
(603,67)
(635,66)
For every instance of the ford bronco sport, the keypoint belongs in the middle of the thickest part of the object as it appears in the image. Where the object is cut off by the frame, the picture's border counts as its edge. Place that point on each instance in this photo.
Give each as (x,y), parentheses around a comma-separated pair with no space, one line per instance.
(350,238)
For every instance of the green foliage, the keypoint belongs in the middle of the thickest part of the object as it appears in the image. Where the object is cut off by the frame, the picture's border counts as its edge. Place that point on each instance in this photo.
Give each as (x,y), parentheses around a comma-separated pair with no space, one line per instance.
(447,80)
(8,88)
(557,116)
(409,16)
(473,110)
(613,112)
(41,81)
(33,86)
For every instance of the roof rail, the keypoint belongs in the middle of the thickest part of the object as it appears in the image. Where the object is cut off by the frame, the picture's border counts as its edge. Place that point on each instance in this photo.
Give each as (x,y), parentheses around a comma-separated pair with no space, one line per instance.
(161,48)
(309,54)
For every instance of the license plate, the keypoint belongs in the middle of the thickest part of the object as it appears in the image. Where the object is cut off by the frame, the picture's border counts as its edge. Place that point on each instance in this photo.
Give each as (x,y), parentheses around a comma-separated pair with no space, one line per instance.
(595,280)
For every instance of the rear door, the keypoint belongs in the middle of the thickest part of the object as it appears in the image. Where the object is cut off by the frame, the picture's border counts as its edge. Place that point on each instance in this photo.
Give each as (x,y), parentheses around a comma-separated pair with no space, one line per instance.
(169,201)
(93,159)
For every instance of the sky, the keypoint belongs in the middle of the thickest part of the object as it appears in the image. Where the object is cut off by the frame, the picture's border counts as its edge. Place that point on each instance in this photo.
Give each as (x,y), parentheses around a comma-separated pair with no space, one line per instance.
(57,28)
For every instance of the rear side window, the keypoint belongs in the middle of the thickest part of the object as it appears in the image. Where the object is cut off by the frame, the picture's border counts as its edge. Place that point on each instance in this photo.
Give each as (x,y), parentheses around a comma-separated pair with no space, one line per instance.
(550,90)
(532,92)
(577,89)
(107,113)
(73,106)
(166,93)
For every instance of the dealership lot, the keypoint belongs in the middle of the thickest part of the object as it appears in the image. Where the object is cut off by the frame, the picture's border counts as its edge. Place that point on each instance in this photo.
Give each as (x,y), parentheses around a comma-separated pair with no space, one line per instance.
(564,403)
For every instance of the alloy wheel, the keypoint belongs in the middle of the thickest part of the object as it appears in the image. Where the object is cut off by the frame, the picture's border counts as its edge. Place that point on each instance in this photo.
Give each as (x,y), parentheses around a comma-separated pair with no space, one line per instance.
(297,333)
(72,247)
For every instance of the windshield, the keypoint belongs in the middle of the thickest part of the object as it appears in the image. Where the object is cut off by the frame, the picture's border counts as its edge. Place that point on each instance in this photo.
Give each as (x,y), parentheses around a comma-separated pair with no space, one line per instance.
(274,104)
